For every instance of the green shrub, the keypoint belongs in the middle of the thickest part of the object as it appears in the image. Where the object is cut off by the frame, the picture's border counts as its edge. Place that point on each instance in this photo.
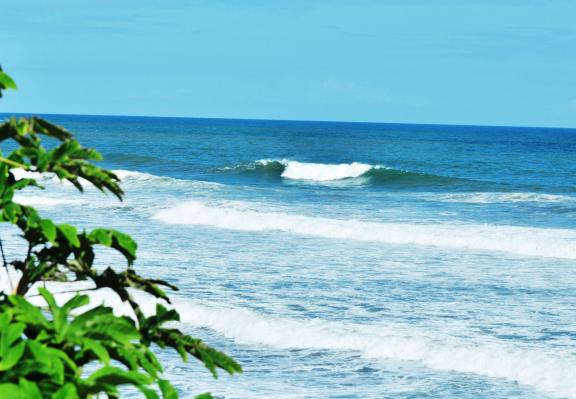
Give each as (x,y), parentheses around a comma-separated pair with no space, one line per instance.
(47,352)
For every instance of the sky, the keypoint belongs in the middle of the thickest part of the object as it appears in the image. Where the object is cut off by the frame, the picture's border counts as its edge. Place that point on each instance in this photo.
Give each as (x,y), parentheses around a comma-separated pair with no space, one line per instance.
(473,62)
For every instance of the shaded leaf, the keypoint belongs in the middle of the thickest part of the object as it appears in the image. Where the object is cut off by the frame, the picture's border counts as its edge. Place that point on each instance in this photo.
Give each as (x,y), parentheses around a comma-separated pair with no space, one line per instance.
(70,233)
(68,391)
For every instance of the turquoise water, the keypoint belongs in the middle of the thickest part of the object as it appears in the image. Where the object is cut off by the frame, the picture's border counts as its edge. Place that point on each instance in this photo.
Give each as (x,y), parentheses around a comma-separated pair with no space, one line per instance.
(346,260)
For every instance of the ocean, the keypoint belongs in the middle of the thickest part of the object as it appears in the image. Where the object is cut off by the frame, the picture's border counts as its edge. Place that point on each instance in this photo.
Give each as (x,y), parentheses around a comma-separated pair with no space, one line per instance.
(349,260)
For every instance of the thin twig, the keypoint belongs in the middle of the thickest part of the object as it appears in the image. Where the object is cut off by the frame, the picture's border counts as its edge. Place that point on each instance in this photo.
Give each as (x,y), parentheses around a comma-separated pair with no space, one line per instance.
(13,163)
(68,291)
(5,263)
(30,246)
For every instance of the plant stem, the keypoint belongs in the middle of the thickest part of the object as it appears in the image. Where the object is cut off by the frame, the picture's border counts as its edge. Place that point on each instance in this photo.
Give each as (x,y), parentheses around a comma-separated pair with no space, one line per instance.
(6,265)
(13,163)
(67,291)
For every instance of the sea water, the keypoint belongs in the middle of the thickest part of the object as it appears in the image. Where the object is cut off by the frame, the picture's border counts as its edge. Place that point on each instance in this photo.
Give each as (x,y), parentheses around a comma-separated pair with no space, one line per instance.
(348,260)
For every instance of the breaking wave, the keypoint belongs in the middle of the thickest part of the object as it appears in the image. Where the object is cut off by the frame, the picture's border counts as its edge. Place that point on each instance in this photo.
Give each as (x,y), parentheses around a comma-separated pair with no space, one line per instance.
(359,172)
(324,172)
(546,372)
(525,241)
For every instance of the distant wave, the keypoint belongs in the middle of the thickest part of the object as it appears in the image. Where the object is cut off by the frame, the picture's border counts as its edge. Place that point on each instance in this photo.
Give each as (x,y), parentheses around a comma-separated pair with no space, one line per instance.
(525,241)
(133,176)
(123,175)
(545,372)
(499,197)
(359,172)
(324,172)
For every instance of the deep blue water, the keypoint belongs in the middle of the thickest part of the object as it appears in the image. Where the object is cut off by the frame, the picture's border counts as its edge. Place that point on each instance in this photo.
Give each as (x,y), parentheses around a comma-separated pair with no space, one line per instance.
(351,260)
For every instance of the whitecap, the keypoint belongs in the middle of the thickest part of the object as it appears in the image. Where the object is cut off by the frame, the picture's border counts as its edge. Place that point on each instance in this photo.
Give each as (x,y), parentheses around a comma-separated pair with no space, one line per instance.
(526,241)
(324,172)
(544,371)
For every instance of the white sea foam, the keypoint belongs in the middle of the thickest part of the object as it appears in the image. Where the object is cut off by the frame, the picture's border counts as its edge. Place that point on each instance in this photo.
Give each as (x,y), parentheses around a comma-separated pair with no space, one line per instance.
(524,241)
(124,175)
(133,175)
(24,174)
(45,177)
(498,197)
(146,179)
(324,172)
(44,201)
(543,371)
(319,171)
(548,372)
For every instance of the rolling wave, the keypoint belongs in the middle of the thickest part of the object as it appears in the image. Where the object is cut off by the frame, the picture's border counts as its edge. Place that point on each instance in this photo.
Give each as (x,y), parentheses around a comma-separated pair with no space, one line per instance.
(547,372)
(543,371)
(357,172)
(524,241)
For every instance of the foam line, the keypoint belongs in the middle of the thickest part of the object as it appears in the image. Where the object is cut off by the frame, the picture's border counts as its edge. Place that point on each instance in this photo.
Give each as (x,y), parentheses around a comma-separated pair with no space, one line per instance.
(499,197)
(545,372)
(526,241)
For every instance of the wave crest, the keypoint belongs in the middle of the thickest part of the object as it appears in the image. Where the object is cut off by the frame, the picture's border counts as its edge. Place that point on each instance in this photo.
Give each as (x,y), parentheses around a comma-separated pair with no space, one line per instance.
(324,172)
(543,371)
(525,241)
(356,172)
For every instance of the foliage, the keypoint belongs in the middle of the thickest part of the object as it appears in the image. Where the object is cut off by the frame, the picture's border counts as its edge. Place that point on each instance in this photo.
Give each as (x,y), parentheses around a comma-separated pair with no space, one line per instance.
(47,353)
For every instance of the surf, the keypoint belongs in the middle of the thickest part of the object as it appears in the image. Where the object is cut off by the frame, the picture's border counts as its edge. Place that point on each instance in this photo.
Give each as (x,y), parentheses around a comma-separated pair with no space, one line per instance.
(546,372)
(354,173)
(523,241)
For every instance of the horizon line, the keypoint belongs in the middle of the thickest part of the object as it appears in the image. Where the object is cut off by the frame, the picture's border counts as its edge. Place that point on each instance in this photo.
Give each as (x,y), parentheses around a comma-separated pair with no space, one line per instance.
(286,120)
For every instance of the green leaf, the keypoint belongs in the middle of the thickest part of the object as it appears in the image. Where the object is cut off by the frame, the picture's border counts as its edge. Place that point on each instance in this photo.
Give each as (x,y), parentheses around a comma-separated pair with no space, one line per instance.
(48,229)
(49,129)
(116,328)
(115,376)
(204,396)
(125,244)
(6,81)
(117,240)
(39,352)
(11,334)
(61,355)
(101,236)
(168,391)
(98,349)
(59,314)
(68,391)
(148,393)
(70,233)
(26,312)
(13,356)
(75,302)
(29,389)
(11,391)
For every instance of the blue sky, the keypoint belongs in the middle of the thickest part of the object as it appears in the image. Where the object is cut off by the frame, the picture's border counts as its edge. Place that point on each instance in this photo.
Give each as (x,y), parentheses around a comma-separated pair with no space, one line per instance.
(489,62)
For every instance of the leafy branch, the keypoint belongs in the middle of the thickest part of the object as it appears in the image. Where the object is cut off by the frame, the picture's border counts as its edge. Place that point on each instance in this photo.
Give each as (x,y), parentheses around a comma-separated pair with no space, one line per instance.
(43,354)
